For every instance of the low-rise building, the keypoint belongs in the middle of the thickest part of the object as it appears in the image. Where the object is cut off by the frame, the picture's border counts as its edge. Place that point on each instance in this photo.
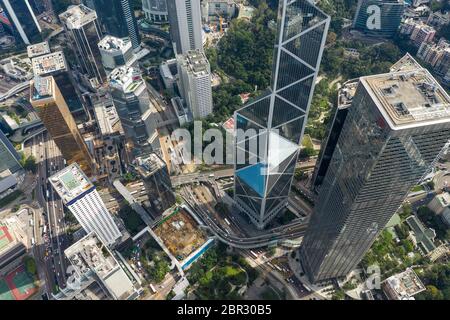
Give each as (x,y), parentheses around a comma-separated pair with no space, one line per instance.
(440,203)
(403,286)
(168,71)
(38,49)
(213,9)
(422,237)
(91,258)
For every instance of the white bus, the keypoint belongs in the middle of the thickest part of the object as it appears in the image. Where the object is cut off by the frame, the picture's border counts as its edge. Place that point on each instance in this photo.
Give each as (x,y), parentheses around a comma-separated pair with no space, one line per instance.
(228,222)
(152,288)
(254,254)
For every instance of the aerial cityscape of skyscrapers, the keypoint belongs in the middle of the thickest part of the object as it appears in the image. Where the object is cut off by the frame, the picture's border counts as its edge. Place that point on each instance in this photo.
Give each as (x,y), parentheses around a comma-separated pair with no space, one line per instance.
(328,123)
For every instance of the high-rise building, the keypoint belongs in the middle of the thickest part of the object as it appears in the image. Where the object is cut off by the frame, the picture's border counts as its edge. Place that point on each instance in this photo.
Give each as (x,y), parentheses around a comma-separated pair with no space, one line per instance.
(389,15)
(185,20)
(155,10)
(82,199)
(195,82)
(47,100)
(136,112)
(115,52)
(274,123)
(117,19)
(23,21)
(80,23)
(9,158)
(54,64)
(396,129)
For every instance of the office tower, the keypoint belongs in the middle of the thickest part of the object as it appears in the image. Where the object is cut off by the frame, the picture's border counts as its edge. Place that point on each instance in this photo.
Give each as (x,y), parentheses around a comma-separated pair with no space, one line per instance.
(263,177)
(137,115)
(396,129)
(115,52)
(185,25)
(9,158)
(80,23)
(54,64)
(25,26)
(195,82)
(391,12)
(47,100)
(38,6)
(117,19)
(82,199)
(155,10)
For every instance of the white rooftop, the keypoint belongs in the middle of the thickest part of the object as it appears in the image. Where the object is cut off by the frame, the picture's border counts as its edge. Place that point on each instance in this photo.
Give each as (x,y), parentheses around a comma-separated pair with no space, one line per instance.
(49,63)
(38,49)
(77,16)
(90,254)
(70,182)
(113,44)
(196,62)
(125,78)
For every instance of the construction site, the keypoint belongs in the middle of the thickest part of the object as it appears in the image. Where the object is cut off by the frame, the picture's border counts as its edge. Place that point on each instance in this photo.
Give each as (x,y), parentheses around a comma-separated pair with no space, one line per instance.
(181,234)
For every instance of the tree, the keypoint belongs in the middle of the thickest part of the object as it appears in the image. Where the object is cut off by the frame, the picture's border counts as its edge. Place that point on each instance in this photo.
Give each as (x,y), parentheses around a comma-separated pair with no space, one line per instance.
(331,38)
(338,295)
(29,164)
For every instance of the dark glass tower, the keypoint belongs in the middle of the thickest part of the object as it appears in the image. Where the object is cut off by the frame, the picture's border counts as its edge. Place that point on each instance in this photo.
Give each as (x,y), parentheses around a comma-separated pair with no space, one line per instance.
(24,24)
(265,158)
(117,19)
(391,12)
(81,25)
(396,129)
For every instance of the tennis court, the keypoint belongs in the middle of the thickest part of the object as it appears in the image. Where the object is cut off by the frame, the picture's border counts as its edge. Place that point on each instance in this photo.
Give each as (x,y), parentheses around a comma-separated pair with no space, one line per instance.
(5,292)
(21,283)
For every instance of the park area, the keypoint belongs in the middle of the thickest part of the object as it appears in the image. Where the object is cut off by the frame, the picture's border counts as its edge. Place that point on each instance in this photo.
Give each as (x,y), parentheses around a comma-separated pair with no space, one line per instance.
(180,234)
(17,285)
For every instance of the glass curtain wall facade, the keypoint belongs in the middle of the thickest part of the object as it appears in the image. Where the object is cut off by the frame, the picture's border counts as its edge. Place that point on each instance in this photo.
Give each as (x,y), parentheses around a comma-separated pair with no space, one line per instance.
(26,28)
(391,12)
(117,19)
(373,167)
(266,155)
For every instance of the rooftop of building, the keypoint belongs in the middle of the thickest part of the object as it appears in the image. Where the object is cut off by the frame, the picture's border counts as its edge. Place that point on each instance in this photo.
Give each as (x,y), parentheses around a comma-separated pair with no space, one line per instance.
(128,79)
(41,88)
(70,182)
(38,49)
(196,62)
(149,164)
(424,236)
(346,93)
(409,98)
(404,286)
(444,199)
(49,63)
(114,44)
(90,254)
(77,16)
(406,63)
(106,116)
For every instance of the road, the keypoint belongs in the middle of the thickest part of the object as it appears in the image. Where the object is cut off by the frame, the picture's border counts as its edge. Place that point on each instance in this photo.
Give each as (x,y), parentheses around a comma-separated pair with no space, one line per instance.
(52,243)
(199,176)
(293,230)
